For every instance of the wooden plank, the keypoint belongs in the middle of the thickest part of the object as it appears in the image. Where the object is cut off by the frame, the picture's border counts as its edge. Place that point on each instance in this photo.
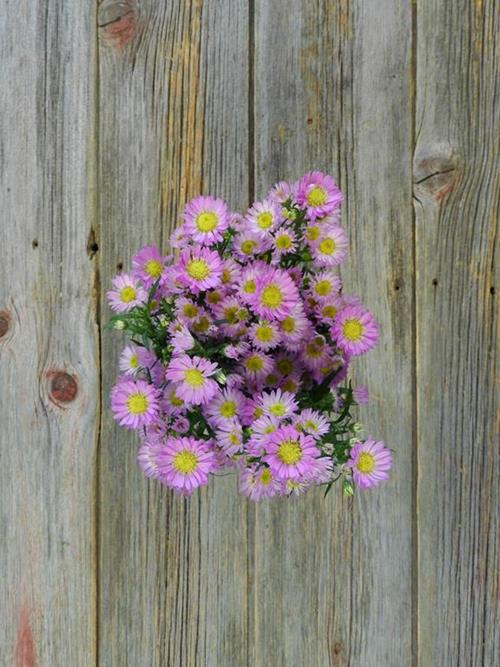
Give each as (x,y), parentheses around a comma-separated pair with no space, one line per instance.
(49,372)
(457,189)
(333,92)
(173,123)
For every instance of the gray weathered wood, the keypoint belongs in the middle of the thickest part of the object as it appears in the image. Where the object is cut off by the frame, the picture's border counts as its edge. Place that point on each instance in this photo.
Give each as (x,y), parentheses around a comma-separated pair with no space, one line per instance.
(49,365)
(173,123)
(332,92)
(457,201)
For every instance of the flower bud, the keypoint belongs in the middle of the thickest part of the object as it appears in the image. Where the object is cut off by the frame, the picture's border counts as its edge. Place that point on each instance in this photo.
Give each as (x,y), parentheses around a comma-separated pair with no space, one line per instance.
(347,487)
(119,325)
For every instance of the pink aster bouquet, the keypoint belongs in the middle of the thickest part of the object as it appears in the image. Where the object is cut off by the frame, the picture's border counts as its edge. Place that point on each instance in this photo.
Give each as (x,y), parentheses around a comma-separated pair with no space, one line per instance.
(240,348)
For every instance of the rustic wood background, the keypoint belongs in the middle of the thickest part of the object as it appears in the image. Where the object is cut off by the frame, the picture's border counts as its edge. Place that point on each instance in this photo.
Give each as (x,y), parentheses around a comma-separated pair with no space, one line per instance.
(113,114)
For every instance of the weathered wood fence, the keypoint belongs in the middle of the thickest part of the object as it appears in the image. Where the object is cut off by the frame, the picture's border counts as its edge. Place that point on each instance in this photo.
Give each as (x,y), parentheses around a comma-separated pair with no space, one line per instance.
(111,116)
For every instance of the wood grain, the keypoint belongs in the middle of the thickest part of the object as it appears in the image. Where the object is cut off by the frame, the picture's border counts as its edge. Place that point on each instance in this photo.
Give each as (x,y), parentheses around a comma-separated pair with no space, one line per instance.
(333,576)
(457,203)
(173,123)
(49,363)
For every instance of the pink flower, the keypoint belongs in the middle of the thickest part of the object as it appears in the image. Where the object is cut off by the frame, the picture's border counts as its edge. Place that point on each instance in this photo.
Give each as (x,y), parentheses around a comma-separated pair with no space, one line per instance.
(185,463)
(318,194)
(229,436)
(256,365)
(147,457)
(134,403)
(257,482)
(129,362)
(294,328)
(355,330)
(263,217)
(199,269)
(325,285)
(264,335)
(225,406)
(148,265)
(360,394)
(330,249)
(247,244)
(312,422)
(370,462)
(127,294)
(290,454)
(205,220)
(277,403)
(193,379)
(275,296)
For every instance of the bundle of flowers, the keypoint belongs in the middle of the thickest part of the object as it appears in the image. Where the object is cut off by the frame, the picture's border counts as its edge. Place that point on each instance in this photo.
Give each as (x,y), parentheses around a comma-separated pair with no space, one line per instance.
(240,347)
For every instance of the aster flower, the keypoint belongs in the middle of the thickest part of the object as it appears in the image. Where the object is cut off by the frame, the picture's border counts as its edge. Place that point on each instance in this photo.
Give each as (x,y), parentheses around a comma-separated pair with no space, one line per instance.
(330,249)
(182,339)
(257,482)
(205,220)
(192,376)
(186,310)
(231,272)
(147,457)
(174,404)
(355,330)
(275,296)
(256,365)
(284,242)
(127,294)
(225,406)
(316,353)
(290,454)
(263,217)
(199,269)
(318,194)
(129,363)
(134,403)
(247,284)
(229,436)
(185,463)
(324,285)
(261,428)
(312,422)
(282,192)
(326,311)
(370,462)
(279,404)
(360,394)
(294,328)
(264,335)
(247,244)
(148,265)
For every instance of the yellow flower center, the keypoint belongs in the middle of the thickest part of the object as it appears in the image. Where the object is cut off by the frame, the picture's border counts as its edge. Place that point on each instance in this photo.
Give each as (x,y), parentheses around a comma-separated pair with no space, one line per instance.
(290,385)
(271,296)
(323,287)
(198,269)
(329,311)
(194,378)
(233,439)
(190,310)
(265,476)
(327,246)
(226,276)
(185,462)
(175,400)
(283,242)
(277,409)
(310,425)
(231,314)
(264,220)
(133,361)
(153,268)
(247,247)
(352,330)
(249,286)
(312,233)
(316,196)
(206,221)
(201,325)
(254,363)
(127,294)
(137,404)
(289,452)
(314,349)
(227,409)
(213,297)
(285,366)
(272,379)
(288,324)
(264,333)
(366,462)
(257,413)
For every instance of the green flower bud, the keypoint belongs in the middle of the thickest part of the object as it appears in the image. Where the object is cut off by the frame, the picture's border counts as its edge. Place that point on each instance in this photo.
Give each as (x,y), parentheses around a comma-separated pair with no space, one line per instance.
(119,325)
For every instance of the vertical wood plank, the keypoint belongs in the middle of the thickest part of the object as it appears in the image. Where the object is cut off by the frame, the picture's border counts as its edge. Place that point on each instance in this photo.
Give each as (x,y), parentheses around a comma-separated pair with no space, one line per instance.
(333,88)
(173,124)
(456,203)
(49,366)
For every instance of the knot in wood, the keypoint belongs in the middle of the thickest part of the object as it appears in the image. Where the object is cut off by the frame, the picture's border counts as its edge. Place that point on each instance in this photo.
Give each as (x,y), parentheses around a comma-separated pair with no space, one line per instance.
(63,387)
(4,322)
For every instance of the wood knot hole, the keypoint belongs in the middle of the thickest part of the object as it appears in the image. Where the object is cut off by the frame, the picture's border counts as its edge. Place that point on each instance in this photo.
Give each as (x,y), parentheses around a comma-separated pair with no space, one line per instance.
(63,387)
(4,322)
